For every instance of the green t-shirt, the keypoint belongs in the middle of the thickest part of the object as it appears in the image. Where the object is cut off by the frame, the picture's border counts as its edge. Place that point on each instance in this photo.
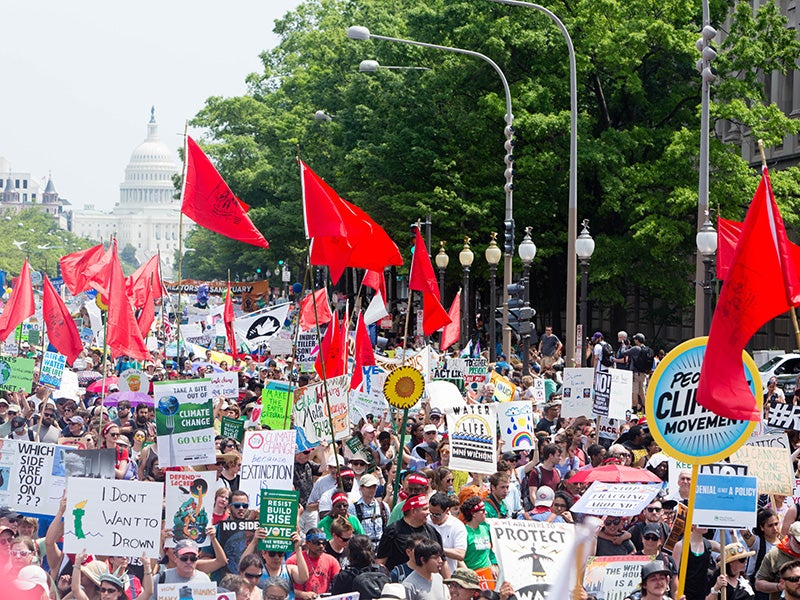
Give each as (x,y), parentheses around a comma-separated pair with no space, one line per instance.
(491,512)
(479,547)
(325,525)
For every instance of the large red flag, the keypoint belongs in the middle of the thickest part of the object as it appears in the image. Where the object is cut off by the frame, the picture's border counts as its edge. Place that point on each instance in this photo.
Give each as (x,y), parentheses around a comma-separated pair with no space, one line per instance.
(307,317)
(728,233)
(145,277)
(330,352)
(452,332)
(423,279)
(61,329)
(228,317)
(376,281)
(20,306)
(86,269)
(148,312)
(209,202)
(762,255)
(124,337)
(364,355)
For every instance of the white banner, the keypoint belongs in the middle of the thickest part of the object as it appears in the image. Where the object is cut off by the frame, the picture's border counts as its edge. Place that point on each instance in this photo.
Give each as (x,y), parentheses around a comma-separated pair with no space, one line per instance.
(267,463)
(576,393)
(616,499)
(260,327)
(225,384)
(32,475)
(516,424)
(472,437)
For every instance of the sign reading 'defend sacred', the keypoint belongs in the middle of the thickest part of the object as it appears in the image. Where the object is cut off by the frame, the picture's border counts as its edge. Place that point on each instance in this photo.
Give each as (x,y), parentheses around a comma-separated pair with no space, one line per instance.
(684,429)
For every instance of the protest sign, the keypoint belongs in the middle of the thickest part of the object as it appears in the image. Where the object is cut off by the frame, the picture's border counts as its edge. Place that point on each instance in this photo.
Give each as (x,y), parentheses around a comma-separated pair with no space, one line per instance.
(676,533)
(451,368)
(224,384)
(674,469)
(32,476)
(131,380)
(234,536)
(616,499)
(201,590)
(184,423)
(276,402)
(350,596)
(232,428)
(772,466)
(311,410)
(279,517)
(52,369)
(355,448)
(576,392)
(267,462)
(723,469)
(363,404)
(516,424)
(475,372)
(472,437)
(260,327)
(16,373)
(609,429)
(612,393)
(190,503)
(532,555)
(538,388)
(306,350)
(98,464)
(613,577)
(784,416)
(601,393)
(504,390)
(725,501)
(773,440)
(374,378)
(113,518)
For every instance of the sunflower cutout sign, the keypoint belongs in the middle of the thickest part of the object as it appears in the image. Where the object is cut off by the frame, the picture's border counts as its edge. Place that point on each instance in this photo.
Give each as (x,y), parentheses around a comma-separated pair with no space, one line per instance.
(404,387)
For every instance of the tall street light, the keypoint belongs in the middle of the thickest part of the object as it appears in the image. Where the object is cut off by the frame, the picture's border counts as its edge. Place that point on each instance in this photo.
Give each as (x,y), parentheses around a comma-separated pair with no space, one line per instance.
(572,217)
(362,33)
(442,260)
(527,252)
(706,240)
(493,255)
(373,66)
(465,257)
(584,248)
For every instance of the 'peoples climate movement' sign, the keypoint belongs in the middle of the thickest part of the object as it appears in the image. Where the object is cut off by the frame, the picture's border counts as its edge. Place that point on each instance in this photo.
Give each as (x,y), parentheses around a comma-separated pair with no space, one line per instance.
(683,428)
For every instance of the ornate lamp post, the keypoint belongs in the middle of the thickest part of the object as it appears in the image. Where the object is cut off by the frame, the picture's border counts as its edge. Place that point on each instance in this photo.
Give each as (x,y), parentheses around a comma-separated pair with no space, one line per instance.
(527,252)
(493,255)
(442,260)
(584,248)
(465,257)
(706,240)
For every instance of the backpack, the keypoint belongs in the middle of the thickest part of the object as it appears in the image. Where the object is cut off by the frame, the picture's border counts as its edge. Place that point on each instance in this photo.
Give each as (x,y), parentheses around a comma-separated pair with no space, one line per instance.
(370,581)
(527,504)
(644,360)
(607,358)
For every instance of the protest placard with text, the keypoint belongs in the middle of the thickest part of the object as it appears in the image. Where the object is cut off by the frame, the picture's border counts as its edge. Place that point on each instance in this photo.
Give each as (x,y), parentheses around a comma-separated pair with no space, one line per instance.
(224,384)
(504,390)
(232,428)
(306,350)
(201,590)
(52,369)
(276,402)
(311,410)
(772,466)
(189,505)
(363,404)
(16,374)
(576,392)
(616,499)
(33,476)
(725,501)
(613,577)
(472,437)
(184,423)
(278,512)
(267,462)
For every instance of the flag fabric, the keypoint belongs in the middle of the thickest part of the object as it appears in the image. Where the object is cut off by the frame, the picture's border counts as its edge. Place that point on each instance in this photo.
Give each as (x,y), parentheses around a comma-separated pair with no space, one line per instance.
(148,309)
(762,255)
(376,310)
(146,276)
(228,317)
(376,281)
(209,202)
(330,352)
(20,306)
(86,269)
(257,328)
(124,337)
(307,317)
(452,331)
(466,351)
(423,279)
(61,329)
(364,355)
(728,233)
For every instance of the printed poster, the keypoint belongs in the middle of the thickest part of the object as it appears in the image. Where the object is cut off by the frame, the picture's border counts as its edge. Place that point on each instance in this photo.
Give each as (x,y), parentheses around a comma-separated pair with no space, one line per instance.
(725,501)
(267,463)
(278,515)
(516,424)
(202,590)
(472,437)
(613,577)
(504,390)
(616,499)
(190,504)
(184,423)
(232,428)
(52,369)
(276,402)
(306,352)
(16,374)
(311,410)
(576,392)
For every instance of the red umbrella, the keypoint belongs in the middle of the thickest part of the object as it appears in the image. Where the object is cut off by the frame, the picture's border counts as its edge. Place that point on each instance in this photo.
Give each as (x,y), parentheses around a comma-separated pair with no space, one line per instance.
(96,387)
(615,474)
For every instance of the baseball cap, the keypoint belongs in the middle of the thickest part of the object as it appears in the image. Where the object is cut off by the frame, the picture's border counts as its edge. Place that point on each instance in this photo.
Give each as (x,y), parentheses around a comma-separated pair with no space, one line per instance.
(368,428)
(76,419)
(368,480)
(418,501)
(17,422)
(417,479)
(544,496)
(186,546)
(393,591)
(794,530)
(7,513)
(430,428)
(14,407)
(3,401)
(653,529)
(30,577)
(466,578)
(331,462)
(436,411)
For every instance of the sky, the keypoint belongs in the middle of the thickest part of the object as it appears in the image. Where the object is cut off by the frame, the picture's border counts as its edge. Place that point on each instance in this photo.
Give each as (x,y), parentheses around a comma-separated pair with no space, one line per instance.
(79,78)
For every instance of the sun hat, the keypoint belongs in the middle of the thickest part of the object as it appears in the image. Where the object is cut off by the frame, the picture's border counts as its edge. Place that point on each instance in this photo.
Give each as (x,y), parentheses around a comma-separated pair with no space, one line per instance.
(30,577)
(735,551)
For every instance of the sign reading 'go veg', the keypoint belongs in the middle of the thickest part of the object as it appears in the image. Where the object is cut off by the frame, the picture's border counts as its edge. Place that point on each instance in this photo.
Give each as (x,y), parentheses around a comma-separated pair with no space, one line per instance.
(684,429)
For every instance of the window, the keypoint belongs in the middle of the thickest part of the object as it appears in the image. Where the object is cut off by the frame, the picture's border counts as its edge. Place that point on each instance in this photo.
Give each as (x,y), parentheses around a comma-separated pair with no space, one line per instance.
(24,184)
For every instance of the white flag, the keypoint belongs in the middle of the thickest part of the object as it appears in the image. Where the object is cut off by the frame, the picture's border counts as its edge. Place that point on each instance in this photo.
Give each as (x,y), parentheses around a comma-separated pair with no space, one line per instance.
(259,327)
(376,310)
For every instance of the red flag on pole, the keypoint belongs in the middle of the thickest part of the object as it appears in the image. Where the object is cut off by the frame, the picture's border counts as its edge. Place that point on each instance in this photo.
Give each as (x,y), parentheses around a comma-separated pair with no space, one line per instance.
(86,269)
(330,351)
(307,317)
(452,331)
(209,202)
(728,233)
(376,281)
(148,312)
(124,337)
(20,306)
(763,254)
(228,317)
(423,279)
(145,277)
(61,329)
(364,354)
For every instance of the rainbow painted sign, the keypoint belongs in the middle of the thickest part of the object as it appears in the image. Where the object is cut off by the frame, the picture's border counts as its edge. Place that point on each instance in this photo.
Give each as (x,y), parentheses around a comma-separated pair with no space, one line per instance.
(516,424)
(684,429)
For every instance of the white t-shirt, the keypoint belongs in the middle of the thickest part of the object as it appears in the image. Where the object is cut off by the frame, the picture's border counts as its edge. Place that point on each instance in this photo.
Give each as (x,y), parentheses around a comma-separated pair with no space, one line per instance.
(454,535)
(325,500)
(598,354)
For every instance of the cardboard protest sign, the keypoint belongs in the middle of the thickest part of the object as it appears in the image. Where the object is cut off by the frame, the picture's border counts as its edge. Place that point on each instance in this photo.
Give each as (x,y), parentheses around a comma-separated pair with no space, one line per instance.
(276,402)
(363,404)
(472,437)
(504,390)
(532,555)
(224,384)
(516,424)
(773,440)
(613,577)
(204,590)
(612,393)
(234,536)
(267,462)
(232,428)
(676,533)
(306,350)
(16,373)
(132,380)
(190,503)
(772,466)
(115,518)
(576,392)
(278,512)
(784,416)
(52,369)
(616,499)
(725,501)
(311,410)
(32,476)
(184,423)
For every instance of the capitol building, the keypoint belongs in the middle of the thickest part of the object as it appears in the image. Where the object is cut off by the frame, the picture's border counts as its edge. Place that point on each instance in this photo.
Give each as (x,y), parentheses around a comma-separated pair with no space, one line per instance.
(147,214)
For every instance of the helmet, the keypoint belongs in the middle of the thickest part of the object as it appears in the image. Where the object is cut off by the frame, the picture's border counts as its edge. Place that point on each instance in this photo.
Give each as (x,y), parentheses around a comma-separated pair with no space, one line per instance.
(652,568)
(639,337)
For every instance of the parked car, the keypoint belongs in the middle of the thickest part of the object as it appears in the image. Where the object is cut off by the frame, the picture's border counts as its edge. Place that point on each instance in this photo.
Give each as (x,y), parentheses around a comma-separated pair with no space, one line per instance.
(785,365)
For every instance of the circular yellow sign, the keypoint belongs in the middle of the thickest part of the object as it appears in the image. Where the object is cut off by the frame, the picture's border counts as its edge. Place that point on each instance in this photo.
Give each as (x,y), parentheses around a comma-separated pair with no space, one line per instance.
(101,302)
(404,387)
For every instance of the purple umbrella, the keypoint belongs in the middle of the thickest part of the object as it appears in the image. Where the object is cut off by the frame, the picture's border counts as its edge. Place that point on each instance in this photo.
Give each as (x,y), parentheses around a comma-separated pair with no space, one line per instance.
(133,397)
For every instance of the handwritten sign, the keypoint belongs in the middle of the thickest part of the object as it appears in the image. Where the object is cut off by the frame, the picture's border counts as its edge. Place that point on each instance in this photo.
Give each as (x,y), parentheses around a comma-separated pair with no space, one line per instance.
(311,410)
(131,380)
(267,462)
(278,516)
(16,373)
(472,437)
(576,392)
(363,404)
(772,466)
(224,384)
(276,402)
(52,369)
(184,423)
(201,590)
(516,424)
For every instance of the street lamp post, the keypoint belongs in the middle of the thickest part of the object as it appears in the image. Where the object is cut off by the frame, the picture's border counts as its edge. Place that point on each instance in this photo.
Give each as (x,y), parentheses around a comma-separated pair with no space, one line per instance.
(527,252)
(362,33)
(493,255)
(706,240)
(584,248)
(572,217)
(442,260)
(465,257)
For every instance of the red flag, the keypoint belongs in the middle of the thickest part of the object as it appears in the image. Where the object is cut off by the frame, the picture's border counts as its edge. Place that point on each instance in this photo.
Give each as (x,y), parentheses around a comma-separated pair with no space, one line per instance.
(307,317)
(61,329)
(228,317)
(124,337)
(148,313)
(452,331)
(86,269)
(145,277)
(745,304)
(330,352)
(423,279)
(209,202)
(20,306)
(728,233)
(376,281)
(321,215)
(364,355)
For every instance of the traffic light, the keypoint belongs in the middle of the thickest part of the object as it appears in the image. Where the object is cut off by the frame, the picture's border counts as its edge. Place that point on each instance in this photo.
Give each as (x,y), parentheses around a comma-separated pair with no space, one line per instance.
(508,237)
(516,295)
(519,315)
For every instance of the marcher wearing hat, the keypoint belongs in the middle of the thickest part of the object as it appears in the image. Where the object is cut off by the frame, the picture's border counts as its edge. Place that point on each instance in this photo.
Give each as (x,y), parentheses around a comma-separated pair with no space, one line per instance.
(373,514)
(186,552)
(19,430)
(597,345)
(651,515)
(340,505)
(112,585)
(349,485)
(393,591)
(414,484)
(768,577)
(463,584)
(652,540)
(479,555)
(32,583)
(392,546)
(327,482)
(655,583)
(322,567)
(733,578)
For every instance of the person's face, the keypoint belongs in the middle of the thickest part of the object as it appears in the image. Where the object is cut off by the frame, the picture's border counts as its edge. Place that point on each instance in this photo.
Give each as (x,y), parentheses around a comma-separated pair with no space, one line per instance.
(111,437)
(251,575)
(302,458)
(458,593)
(684,481)
(613,525)
(656,584)
(339,509)
(384,443)
(185,564)
(123,412)
(501,490)
(652,514)
(414,489)
(368,492)
(21,556)
(359,466)
(771,527)
(433,564)
(343,538)
(558,506)
(418,515)
(479,516)
(142,414)
(75,428)
(109,591)
(437,514)
(347,483)
(273,592)
(26,529)
(315,549)
(239,507)
(47,417)
(436,419)
(447,482)
(791,583)
(221,502)
(651,543)
(444,454)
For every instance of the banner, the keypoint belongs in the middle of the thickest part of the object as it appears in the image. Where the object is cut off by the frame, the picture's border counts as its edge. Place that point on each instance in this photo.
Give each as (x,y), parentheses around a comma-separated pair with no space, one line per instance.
(190,504)
(613,577)
(224,384)
(616,499)
(184,423)
(276,402)
(532,555)
(32,477)
(52,369)
(113,518)
(217,288)
(516,424)
(725,501)
(267,463)
(16,374)
(472,437)
(576,392)
(772,466)
(258,328)
(311,410)
(278,515)
(232,428)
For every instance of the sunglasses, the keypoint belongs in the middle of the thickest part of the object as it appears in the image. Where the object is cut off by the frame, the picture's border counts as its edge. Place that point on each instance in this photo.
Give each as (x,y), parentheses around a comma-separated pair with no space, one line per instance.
(435,417)
(315,542)
(654,509)
(240,505)
(794,579)
(114,435)
(344,539)
(49,415)
(252,575)
(614,522)
(20,553)
(188,558)
(273,554)
(108,590)
(436,515)
(358,463)
(652,538)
